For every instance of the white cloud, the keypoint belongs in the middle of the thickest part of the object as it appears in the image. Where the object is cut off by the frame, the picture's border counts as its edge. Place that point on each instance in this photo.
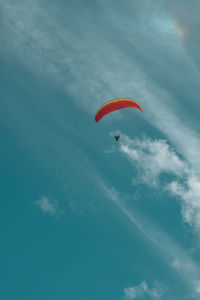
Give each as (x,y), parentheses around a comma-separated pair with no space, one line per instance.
(153,158)
(58,206)
(190,196)
(47,205)
(137,291)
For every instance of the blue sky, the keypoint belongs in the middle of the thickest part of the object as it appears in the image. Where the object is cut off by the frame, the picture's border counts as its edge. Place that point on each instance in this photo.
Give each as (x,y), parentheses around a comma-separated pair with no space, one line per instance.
(83,217)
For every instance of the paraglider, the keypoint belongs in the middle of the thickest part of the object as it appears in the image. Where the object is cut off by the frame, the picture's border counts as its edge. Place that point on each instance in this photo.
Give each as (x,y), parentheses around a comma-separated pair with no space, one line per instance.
(117,137)
(114,105)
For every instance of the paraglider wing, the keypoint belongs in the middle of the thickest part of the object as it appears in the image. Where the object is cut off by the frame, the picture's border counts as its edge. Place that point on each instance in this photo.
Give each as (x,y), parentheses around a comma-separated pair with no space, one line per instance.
(113,105)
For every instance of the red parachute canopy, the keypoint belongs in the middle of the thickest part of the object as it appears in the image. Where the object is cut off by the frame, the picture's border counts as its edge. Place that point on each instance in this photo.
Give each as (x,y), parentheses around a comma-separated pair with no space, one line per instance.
(113,105)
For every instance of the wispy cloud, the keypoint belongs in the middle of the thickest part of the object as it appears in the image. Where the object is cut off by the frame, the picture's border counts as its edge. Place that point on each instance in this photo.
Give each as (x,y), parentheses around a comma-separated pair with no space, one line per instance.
(47,205)
(67,201)
(52,50)
(138,291)
(111,150)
